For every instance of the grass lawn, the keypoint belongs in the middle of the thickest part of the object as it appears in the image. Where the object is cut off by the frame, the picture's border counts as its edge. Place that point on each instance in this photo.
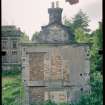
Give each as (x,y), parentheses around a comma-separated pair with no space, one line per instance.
(12,89)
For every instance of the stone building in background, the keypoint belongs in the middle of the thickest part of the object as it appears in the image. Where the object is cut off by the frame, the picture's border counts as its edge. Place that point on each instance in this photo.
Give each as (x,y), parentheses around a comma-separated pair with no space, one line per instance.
(54,66)
(10,46)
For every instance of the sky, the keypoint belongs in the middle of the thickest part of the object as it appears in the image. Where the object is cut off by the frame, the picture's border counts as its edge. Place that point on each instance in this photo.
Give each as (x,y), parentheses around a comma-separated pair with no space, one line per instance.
(30,15)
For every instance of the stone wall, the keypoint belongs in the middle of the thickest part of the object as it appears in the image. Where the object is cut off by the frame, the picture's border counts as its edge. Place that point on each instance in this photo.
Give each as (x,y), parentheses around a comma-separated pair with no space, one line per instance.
(36,94)
(36,62)
(56,65)
(56,69)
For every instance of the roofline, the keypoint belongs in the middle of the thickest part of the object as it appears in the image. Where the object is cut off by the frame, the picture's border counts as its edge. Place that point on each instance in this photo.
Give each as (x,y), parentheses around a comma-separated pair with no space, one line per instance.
(54,23)
(54,44)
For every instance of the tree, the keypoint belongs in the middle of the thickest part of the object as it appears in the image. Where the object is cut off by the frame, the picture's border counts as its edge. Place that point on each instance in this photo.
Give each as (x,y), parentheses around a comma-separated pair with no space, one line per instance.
(34,37)
(81,36)
(24,38)
(80,20)
(99,36)
(97,44)
(79,26)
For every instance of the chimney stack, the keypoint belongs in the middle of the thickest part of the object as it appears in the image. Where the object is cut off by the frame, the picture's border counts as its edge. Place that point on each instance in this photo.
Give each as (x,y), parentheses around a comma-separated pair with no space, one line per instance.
(55,13)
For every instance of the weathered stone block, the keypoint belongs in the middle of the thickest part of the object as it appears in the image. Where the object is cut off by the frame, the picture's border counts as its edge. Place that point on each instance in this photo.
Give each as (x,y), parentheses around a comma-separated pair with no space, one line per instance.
(36,62)
(36,94)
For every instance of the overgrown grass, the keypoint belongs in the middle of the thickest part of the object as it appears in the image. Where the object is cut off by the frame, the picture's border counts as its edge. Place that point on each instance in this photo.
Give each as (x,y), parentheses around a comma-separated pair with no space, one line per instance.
(13,93)
(49,102)
(11,88)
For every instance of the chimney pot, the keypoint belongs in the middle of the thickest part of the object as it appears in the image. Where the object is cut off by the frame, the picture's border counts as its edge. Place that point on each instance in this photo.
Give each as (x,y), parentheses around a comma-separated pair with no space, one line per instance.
(53,5)
(57,4)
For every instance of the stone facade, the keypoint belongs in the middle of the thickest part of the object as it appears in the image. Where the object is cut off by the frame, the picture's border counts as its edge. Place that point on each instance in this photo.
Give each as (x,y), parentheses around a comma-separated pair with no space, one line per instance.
(56,70)
(54,67)
(36,94)
(36,60)
(10,45)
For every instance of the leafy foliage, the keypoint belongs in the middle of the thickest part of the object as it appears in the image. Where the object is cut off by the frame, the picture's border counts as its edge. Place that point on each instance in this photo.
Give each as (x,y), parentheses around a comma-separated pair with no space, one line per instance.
(34,37)
(11,73)
(97,44)
(24,38)
(12,89)
(49,102)
(80,20)
(81,36)
(80,27)
(95,97)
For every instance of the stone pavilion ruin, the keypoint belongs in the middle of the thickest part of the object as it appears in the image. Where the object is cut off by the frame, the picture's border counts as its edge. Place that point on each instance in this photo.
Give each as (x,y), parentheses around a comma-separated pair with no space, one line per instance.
(54,66)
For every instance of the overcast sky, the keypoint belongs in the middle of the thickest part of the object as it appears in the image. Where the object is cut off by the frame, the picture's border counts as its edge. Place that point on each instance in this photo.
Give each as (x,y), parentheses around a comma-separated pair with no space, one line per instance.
(30,15)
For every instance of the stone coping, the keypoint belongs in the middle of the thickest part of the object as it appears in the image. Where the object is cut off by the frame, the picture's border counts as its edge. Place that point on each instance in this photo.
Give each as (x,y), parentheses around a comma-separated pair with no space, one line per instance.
(54,44)
(47,83)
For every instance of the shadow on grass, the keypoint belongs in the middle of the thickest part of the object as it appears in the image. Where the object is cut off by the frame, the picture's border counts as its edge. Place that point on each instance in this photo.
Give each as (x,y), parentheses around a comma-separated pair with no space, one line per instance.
(11,73)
